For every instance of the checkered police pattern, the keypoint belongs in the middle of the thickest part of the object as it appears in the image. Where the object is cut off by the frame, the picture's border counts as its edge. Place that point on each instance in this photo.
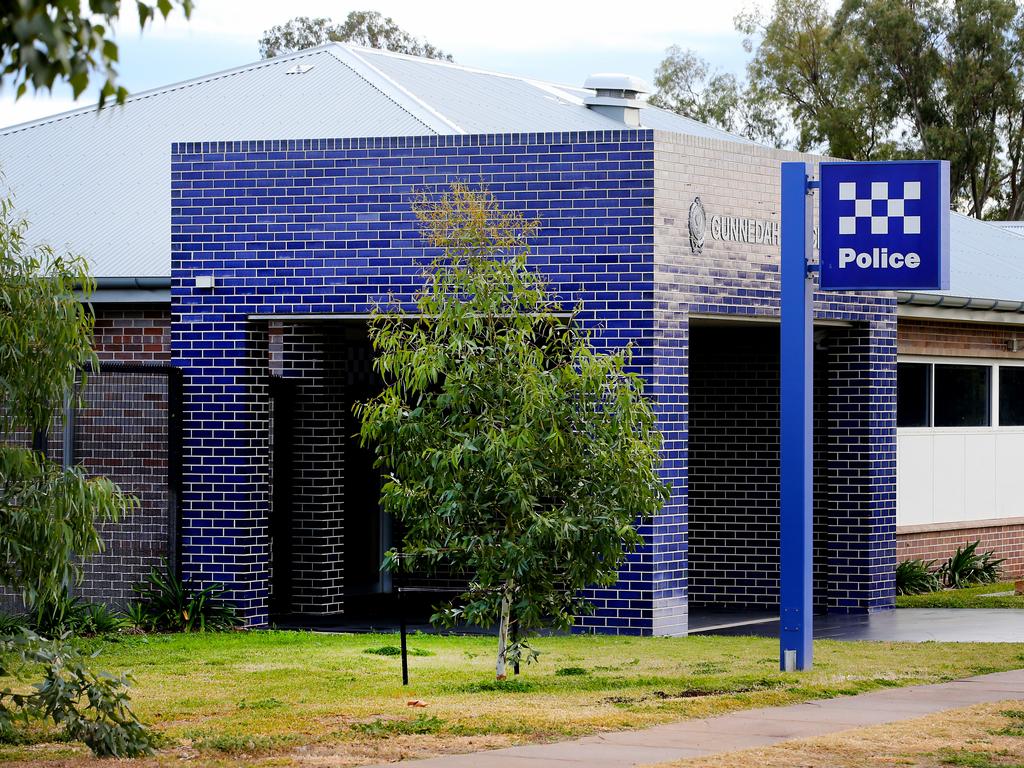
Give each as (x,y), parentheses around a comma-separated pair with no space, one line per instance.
(881,210)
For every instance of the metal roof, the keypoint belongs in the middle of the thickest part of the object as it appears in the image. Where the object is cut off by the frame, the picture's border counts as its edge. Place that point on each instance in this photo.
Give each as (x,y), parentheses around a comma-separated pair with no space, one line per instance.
(986,265)
(99,182)
(478,101)
(1017,227)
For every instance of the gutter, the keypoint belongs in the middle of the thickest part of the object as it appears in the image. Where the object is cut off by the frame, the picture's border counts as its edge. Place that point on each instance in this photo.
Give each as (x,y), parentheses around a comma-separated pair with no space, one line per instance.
(121,283)
(131,290)
(960,302)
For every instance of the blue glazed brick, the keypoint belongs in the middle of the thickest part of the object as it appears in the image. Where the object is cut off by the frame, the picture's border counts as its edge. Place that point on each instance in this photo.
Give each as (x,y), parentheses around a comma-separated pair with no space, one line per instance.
(326,227)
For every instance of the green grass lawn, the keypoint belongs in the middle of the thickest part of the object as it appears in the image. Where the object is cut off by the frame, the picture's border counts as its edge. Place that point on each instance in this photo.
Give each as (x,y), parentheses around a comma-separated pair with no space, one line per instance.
(972,597)
(289,698)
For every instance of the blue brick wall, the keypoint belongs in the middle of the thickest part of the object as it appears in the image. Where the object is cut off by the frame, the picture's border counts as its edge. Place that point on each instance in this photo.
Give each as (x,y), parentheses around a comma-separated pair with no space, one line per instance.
(301,228)
(315,227)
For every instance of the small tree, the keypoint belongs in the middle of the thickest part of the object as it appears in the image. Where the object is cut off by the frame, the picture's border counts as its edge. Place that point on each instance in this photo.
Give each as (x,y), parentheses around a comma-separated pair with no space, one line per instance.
(513,450)
(48,515)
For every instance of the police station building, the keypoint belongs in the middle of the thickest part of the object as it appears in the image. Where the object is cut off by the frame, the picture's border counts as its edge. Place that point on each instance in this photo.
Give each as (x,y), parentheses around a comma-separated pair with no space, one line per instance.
(243,225)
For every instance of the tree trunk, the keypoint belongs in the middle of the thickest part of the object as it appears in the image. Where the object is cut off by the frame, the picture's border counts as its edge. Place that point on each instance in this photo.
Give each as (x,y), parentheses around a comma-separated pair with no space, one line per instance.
(506,606)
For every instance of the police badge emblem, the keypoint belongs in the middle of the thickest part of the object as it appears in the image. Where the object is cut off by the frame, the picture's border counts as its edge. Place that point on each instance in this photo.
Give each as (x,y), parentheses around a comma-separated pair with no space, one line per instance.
(697,223)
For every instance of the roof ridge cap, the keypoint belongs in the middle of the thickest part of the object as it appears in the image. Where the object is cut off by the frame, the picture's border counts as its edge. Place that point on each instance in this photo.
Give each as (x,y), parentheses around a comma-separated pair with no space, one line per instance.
(418,109)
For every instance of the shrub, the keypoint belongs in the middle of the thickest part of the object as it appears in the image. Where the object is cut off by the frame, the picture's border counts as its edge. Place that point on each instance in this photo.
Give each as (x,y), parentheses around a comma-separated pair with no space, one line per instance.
(966,567)
(915,577)
(136,618)
(169,603)
(12,623)
(92,707)
(100,619)
(53,618)
(67,614)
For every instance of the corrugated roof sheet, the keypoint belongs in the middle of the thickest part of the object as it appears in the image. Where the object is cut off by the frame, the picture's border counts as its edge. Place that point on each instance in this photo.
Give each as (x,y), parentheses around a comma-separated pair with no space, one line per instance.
(100,182)
(1017,227)
(483,102)
(986,261)
(490,102)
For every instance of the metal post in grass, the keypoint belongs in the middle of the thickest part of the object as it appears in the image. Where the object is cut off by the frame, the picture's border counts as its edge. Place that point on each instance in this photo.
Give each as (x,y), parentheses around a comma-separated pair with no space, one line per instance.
(884,226)
(402,629)
(796,363)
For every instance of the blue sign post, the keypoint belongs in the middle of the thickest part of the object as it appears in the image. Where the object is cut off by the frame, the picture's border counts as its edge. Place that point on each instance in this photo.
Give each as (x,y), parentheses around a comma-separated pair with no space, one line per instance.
(884,226)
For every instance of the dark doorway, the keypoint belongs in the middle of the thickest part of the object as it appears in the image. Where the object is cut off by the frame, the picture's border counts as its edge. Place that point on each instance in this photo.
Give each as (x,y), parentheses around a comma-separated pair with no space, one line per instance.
(282,439)
(368,531)
(733,444)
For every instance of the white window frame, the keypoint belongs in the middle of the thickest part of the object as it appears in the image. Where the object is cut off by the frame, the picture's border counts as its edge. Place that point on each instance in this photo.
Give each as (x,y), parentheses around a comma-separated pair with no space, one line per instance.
(993,363)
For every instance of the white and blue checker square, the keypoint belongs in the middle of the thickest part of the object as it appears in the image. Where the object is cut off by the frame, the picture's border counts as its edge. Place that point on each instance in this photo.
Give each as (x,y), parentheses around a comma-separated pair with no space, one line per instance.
(885,225)
(884,210)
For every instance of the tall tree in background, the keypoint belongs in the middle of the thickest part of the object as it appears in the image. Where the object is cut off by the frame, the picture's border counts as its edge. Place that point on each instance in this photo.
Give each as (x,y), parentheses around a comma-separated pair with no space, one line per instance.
(954,73)
(511,448)
(43,42)
(366,28)
(685,83)
(887,79)
(813,78)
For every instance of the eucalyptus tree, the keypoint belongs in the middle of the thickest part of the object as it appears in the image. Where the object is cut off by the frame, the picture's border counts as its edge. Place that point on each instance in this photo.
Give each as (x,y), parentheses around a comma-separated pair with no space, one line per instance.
(369,29)
(884,79)
(512,449)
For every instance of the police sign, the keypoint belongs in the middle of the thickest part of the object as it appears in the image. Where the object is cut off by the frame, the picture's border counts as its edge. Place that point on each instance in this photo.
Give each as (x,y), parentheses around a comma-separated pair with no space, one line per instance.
(884,226)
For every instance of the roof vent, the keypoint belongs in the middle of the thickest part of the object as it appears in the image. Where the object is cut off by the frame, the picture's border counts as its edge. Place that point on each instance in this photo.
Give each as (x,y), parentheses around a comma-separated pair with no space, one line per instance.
(617,96)
(299,69)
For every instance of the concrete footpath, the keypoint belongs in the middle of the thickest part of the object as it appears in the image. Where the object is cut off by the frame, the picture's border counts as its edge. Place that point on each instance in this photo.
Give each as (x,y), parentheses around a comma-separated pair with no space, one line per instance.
(746,729)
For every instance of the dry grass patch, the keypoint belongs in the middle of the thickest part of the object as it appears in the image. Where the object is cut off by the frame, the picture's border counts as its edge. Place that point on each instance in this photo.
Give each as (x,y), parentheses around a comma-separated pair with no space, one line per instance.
(292,698)
(982,736)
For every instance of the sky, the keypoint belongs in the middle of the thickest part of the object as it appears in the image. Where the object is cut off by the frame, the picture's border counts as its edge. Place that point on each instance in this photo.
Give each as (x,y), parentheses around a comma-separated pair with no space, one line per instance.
(547,39)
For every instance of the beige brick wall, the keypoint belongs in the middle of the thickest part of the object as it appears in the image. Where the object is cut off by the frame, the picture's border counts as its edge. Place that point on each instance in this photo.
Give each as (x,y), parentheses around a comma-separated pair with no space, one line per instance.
(739,281)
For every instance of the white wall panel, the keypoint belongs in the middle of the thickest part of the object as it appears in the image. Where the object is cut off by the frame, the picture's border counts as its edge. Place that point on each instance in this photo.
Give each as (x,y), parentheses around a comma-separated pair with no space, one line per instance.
(979,477)
(946,476)
(914,474)
(949,477)
(1010,474)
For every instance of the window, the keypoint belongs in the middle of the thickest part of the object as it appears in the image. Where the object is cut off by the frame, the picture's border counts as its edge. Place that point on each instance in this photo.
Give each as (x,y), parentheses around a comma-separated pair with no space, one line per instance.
(959,394)
(962,395)
(1011,396)
(913,398)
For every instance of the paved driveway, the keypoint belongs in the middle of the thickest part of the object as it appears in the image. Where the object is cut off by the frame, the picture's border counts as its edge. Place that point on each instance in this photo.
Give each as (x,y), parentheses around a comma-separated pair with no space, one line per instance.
(915,625)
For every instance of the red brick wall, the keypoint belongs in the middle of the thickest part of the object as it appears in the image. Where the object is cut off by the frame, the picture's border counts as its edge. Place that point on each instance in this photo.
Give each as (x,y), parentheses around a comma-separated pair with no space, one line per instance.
(1006,540)
(929,337)
(133,334)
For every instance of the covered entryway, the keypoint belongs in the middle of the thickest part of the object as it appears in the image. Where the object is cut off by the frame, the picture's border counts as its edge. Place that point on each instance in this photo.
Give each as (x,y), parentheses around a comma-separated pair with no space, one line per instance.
(734,472)
(327,533)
